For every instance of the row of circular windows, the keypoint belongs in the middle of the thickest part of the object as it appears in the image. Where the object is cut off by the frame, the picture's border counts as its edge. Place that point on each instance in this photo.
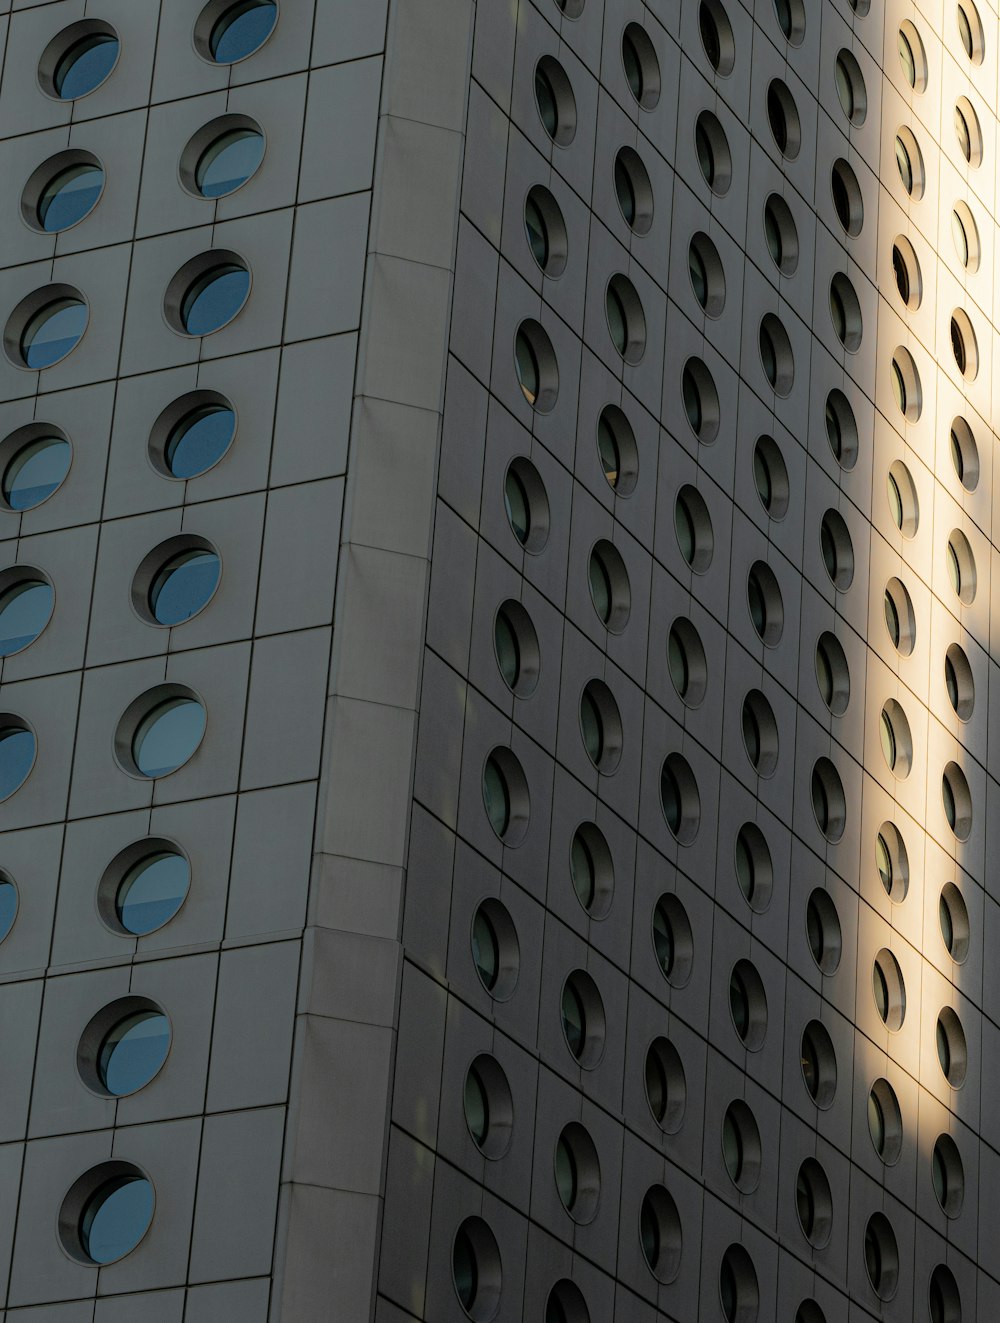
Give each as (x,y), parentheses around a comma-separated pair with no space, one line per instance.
(82,57)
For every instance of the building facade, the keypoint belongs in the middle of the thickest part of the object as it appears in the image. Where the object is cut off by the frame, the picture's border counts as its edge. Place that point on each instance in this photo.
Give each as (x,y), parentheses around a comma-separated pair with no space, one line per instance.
(496,640)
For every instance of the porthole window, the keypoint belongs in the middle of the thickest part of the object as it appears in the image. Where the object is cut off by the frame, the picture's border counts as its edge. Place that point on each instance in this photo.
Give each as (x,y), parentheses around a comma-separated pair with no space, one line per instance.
(776,355)
(845,312)
(592,870)
(34,462)
(488,1106)
(748,1005)
(961,567)
(679,798)
(809,1312)
(760,733)
(717,36)
(848,201)
(526,505)
(959,681)
(106,1213)
(791,16)
(965,234)
(686,662)
(26,602)
(673,940)
(957,799)
(515,645)
(617,450)
(222,156)
(143,887)
(819,1064)
(754,871)
(948,1175)
(899,617)
(227,32)
(828,801)
(708,280)
(609,586)
(577,1173)
(160,731)
(837,550)
(953,918)
(207,293)
(970,31)
(693,526)
(701,401)
(881,1256)
(897,742)
(902,497)
(888,990)
(124,1047)
(770,477)
(192,435)
(633,191)
(851,88)
(17,753)
(505,796)
(912,57)
(79,59)
(885,1121)
(565,1304)
(944,1300)
(572,9)
(783,117)
(476,1270)
(536,367)
(714,157)
(555,101)
(964,345)
(601,726)
(62,192)
(765,605)
(496,953)
(741,1149)
(814,1203)
(666,1086)
(781,235)
(626,320)
(832,673)
(583,1021)
(176,580)
(910,163)
(964,454)
(642,69)
(660,1233)
(905,382)
(952,1051)
(968,132)
(545,230)
(892,862)
(841,429)
(823,931)
(906,270)
(45,327)
(8,905)
(739,1292)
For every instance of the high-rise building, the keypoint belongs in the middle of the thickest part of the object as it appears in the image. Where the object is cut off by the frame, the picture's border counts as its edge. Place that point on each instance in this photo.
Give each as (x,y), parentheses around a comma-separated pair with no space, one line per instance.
(496,547)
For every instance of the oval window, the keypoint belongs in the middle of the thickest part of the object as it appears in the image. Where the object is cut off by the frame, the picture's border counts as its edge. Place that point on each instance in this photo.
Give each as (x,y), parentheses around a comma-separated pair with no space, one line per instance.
(168,736)
(152,891)
(17,755)
(85,65)
(214,298)
(53,332)
(115,1218)
(242,29)
(36,470)
(25,608)
(228,162)
(184,586)
(199,440)
(71,194)
(133,1051)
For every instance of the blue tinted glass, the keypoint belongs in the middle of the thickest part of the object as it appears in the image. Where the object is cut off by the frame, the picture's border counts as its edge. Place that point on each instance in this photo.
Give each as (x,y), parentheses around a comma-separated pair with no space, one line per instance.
(200,440)
(35,472)
(85,65)
(183,586)
(133,1052)
(152,892)
(242,30)
(167,737)
(229,162)
(53,332)
(116,1218)
(70,196)
(17,753)
(24,613)
(214,299)
(8,907)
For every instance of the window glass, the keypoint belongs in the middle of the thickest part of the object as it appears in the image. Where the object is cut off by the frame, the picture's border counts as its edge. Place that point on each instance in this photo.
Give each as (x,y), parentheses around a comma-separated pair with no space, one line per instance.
(71,195)
(485,950)
(116,1218)
(17,754)
(592,727)
(904,164)
(8,907)
(625,190)
(25,609)
(960,237)
(633,67)
(200,440)
(906,59)
(566,1179)
(527,368)
(516,504)
(152,892)
(183,586)
(581,865)
(607,446)
(242,29)
(616,320)
(35,472)
(663,939)
(85,65)
(53,332)
(214,299)
(496,797)
(477,1112)
(545,99)
(537,231)
(600,587)
(133,1052)
(507,652)
(229,162)
(573,1019)
(168,736)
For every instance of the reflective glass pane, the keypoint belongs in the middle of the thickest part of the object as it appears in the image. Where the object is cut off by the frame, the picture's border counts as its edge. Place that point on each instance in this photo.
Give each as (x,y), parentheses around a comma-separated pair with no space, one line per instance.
(200,440)
(582,871)
(880,990)
(906,60)
(214,299)
(538,237)
(517,507)
(677,662)
(600,587)
(463,1267)
(70,196)
(17,753)
(485,950)
(183,586)
(168,737)
(905,168)
(527,368)
(888,737)
(35,472)
(732,1147)
(242,29)
(616,321)
(947,924)
(670,799)
(739,1004)
(8,907)
(960,237)
(649,1231)
(573,1019)
(477,1112)
(943,1048)
(496,797)
(229,162)
(876,1123)
(545,98)
(53,333)
(592,727)
(607,447)
(663,940)
(85,65)
(565,1174)
(133,1052)
(884,862)
(625,191)
(633,67)
(152,892)
(507,652)
(24,612)
(116,1218)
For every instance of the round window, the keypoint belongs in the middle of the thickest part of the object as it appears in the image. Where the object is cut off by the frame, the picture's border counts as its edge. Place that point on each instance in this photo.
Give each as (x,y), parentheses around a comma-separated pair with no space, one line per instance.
(25,607)
(79,60)
(62,192)
(115,1218)
(8,905)
(45,327)
(197,440)
(150,891)
(160,731)
(132,1051)
(214,298)
(228,161)
(236,31)
(38,460)
(183,585)
(17,754)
